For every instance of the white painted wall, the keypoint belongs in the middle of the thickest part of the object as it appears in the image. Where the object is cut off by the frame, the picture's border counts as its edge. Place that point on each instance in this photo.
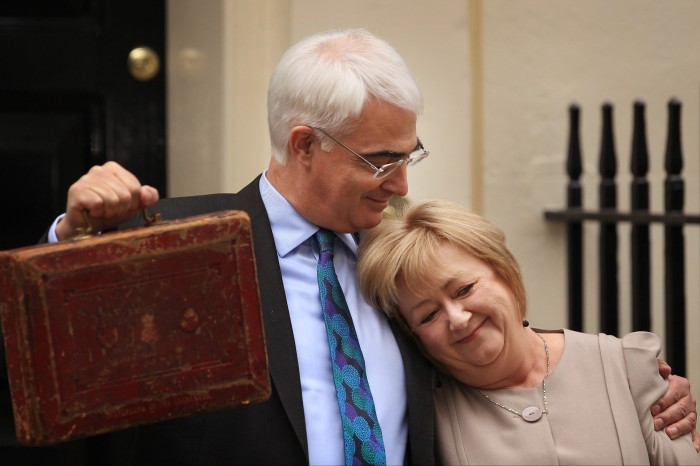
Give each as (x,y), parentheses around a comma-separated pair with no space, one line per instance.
(498,76)
(539,56)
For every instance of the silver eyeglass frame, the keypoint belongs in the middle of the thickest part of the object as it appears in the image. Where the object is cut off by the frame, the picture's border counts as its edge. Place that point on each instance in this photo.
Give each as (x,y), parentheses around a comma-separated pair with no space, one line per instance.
(388,168)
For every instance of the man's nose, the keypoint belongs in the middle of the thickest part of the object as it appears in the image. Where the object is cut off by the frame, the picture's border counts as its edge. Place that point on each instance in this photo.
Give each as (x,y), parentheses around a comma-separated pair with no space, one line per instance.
(397,182)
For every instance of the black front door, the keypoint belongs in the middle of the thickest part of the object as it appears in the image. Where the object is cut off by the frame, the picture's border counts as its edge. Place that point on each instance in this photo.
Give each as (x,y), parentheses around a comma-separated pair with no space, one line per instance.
(69,101)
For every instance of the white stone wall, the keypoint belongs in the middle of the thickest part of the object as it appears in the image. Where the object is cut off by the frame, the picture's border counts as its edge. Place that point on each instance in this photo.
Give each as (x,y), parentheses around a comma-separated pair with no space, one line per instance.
(498,76)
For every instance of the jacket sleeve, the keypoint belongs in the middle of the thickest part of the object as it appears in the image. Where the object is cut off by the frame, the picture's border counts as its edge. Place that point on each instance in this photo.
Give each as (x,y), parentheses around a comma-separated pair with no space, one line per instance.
(641,350)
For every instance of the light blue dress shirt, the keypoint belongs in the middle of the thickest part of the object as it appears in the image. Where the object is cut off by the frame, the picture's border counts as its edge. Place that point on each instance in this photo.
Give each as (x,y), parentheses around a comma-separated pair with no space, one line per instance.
(298,257)
(51,235)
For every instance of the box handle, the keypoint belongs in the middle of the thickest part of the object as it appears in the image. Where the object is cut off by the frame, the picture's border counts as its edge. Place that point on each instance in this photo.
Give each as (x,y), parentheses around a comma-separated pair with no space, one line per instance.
(86,231)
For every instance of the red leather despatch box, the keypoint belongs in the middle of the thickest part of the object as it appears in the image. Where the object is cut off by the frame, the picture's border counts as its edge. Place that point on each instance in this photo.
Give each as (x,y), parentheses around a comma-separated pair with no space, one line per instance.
(132,327)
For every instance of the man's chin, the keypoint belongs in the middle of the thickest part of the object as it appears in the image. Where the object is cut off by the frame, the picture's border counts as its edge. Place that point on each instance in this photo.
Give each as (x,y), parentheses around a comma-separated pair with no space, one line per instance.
(370,220)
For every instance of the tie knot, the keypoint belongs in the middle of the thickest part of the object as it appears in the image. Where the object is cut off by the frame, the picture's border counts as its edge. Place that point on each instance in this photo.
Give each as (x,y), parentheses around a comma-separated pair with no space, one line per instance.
(324,239)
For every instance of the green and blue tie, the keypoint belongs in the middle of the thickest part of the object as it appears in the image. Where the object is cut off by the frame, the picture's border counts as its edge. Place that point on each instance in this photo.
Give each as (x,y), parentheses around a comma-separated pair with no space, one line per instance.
(361,432)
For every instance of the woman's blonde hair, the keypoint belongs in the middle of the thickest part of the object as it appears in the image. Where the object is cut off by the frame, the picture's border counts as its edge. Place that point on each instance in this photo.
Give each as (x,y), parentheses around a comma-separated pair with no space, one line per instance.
(403,247)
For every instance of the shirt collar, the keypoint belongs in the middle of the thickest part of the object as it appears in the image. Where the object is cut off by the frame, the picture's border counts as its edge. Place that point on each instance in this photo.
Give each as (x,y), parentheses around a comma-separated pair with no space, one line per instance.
(288,227)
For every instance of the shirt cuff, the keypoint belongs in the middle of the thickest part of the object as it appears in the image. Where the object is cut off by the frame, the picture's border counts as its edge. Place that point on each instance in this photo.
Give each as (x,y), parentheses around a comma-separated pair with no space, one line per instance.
(52,230)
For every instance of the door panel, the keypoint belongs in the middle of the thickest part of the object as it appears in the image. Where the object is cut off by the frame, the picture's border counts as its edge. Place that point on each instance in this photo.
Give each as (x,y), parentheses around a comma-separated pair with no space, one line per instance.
(46,143)
(68,101)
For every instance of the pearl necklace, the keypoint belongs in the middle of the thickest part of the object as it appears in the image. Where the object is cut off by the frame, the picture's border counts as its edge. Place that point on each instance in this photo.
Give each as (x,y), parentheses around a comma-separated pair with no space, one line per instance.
(530,413)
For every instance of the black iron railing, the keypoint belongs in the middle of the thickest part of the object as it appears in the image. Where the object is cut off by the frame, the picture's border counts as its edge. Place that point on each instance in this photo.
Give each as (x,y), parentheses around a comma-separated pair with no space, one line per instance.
(609,216)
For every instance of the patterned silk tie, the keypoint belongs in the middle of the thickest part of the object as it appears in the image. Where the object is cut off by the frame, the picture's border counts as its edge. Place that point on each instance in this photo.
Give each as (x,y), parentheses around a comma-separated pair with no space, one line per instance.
(361,431)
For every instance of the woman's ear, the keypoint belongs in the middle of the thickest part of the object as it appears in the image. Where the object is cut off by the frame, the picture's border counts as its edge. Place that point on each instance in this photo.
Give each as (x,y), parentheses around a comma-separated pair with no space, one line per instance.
(300,140)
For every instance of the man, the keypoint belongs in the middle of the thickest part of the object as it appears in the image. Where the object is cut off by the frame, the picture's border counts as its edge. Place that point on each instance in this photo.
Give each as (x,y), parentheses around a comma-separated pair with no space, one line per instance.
(342,110)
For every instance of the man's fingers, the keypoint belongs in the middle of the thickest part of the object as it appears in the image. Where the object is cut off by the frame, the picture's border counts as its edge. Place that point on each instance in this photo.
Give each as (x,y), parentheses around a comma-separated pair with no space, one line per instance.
(149,196)
(678,390)
(682,427)
(664,369)
(112,200)
(678,419)
(117,187)
(109,194)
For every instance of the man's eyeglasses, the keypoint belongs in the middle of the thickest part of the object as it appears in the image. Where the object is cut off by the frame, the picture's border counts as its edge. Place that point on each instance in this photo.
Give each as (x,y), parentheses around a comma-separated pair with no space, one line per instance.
(386,169)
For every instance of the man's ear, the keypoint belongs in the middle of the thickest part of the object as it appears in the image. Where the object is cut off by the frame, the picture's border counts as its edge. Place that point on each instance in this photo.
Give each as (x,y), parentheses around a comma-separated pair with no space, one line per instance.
(300,140)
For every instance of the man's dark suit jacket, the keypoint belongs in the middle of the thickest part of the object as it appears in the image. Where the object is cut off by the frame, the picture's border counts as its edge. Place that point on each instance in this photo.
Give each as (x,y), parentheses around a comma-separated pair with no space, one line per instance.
(272,432)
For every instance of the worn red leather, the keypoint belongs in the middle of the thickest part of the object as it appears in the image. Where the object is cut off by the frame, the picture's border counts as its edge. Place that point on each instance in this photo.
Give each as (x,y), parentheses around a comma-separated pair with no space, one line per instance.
(132,327)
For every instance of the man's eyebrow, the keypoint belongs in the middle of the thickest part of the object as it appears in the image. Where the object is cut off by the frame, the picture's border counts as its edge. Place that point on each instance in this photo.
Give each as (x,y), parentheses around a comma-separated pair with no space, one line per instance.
(392,153)
(385,153)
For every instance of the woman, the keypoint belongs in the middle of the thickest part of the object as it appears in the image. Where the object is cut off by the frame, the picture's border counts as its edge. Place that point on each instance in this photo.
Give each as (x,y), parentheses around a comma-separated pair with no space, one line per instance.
(510,394)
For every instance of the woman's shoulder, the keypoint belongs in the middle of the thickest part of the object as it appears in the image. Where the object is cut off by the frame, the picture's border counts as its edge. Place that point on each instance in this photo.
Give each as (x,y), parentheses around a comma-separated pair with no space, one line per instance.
(641,341)
(639,349)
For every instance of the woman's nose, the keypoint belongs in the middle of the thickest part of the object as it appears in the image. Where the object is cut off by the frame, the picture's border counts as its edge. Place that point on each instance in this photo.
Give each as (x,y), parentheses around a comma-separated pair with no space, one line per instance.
(458,316)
